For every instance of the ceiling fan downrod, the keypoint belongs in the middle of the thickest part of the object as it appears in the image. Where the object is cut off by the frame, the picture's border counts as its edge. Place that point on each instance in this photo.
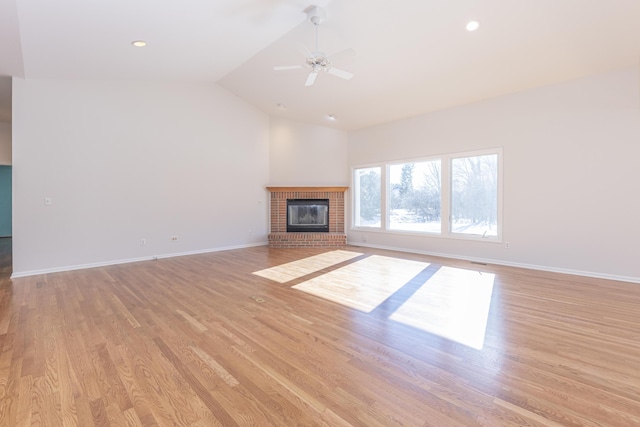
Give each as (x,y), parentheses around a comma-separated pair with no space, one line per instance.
(316,15)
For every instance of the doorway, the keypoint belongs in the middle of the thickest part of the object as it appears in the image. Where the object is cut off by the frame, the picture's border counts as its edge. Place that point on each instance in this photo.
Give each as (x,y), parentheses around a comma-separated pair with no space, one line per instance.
(5,201)
(5,221)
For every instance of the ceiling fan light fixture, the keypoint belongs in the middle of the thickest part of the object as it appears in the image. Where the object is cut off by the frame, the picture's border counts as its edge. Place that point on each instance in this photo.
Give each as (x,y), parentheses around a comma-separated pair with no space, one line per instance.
(472,25)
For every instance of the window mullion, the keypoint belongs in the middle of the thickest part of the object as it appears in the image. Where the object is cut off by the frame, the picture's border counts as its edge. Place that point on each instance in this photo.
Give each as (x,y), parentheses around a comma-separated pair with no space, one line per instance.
(386,205)
(445,194)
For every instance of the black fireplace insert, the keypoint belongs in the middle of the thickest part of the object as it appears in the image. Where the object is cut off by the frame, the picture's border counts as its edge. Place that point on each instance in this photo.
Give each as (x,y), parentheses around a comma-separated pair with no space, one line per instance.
(308,215)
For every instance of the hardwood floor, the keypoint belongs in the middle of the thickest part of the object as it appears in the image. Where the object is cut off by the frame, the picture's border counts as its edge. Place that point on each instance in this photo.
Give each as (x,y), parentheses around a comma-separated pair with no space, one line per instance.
(202,341)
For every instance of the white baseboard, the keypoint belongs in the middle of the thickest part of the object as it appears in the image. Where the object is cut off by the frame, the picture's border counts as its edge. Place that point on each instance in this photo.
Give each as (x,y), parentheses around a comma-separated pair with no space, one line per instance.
(130,260)
(593,274)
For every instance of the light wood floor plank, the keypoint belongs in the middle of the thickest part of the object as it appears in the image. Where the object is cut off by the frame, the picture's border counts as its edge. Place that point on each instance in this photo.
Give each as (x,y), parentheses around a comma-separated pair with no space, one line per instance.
(203,341)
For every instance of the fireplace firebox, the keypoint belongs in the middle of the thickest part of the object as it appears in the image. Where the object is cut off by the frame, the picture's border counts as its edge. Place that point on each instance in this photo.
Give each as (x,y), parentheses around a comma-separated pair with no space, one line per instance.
(308,215)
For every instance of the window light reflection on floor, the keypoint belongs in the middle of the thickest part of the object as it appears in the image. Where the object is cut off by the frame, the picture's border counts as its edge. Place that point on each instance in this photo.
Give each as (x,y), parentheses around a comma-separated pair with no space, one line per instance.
(364,284)
(454,304)
(295,269)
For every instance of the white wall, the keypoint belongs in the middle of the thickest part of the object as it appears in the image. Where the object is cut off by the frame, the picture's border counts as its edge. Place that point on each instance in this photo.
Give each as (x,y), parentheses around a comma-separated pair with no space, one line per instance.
(571,180)
(307,155)
(123,161)
(5,143)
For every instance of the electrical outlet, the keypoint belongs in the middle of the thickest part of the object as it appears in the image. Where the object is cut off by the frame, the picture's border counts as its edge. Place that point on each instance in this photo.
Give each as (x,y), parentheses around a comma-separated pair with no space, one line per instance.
(174,238)
(143,242)
(507,245)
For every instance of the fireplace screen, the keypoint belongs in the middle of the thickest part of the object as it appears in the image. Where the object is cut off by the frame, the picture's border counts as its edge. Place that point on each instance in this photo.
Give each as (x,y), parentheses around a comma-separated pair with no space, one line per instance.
(308,215)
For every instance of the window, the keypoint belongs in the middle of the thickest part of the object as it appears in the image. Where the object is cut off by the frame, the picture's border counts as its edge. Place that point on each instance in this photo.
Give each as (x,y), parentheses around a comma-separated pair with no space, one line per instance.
(414,196)
(454,195)
(474,195)
(367,184)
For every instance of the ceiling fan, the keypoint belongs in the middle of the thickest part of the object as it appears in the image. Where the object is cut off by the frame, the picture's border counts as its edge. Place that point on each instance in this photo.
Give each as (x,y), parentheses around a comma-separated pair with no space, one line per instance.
(317,60)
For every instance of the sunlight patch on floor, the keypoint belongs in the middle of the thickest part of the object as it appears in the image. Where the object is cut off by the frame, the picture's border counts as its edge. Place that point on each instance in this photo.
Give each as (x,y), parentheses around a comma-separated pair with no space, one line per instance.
(365,284)
(454,304)
(293,270)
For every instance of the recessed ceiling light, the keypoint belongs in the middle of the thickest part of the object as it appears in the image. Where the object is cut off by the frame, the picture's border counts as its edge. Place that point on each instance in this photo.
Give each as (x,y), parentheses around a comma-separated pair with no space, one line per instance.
(281,106)
(331,117)
(472,25)
(139,43)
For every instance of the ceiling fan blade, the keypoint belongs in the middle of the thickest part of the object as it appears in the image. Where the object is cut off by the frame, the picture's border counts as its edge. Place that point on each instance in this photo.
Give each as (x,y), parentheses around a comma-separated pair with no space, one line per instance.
(311,79)
(287,67)
(340,73)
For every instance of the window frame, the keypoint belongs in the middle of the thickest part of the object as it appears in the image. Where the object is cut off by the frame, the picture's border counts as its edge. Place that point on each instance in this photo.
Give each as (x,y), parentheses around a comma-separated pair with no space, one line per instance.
(356,194)
(445,196)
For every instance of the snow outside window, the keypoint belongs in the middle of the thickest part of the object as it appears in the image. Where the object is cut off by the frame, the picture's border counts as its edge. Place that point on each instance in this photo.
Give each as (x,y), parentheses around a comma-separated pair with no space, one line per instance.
(450,195)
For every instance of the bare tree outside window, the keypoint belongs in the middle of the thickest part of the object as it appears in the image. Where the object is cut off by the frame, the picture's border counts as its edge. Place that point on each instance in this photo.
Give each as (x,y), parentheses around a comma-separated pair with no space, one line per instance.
(474,198)
(415,196)
(455,195)
(368,198)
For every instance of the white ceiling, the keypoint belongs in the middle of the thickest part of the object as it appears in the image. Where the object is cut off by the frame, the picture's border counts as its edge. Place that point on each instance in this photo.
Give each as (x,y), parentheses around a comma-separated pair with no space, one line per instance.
(412,56)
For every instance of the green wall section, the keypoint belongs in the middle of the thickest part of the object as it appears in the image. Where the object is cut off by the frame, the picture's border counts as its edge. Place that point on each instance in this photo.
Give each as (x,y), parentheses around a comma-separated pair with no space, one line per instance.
(5,201)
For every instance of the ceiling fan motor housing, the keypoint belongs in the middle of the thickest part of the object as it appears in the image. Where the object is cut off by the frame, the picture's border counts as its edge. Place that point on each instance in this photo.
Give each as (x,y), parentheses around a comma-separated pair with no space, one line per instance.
(316,15)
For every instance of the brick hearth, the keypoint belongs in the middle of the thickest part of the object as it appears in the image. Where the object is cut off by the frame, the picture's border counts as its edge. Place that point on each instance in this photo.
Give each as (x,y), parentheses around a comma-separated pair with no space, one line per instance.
(280,238)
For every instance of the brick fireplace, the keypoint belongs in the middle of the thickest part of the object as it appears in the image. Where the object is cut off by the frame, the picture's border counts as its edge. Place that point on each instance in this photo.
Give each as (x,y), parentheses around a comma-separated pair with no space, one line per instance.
(280,238)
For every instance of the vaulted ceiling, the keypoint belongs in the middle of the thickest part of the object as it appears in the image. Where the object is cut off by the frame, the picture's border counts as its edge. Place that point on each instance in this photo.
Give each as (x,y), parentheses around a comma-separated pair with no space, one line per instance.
(411,56)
